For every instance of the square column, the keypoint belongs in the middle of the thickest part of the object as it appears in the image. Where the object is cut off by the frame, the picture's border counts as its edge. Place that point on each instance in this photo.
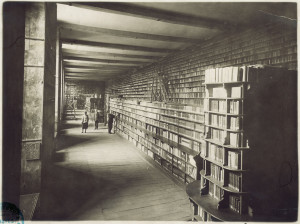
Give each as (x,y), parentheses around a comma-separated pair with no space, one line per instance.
(38,96)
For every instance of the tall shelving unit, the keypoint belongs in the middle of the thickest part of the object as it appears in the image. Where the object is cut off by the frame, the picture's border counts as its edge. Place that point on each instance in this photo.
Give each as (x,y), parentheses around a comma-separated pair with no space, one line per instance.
(171,134)
(224,166)
(226,184)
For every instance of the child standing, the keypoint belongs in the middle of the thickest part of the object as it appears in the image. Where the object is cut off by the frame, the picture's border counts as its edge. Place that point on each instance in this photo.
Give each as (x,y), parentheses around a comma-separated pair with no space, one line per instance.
(85,122)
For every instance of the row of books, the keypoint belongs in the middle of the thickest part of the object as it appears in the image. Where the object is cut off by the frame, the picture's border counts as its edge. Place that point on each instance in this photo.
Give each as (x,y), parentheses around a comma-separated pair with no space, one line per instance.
(217,172)
(174,128)
(185,115)
(215,152)
(190,79)
(188,124)
(215,191)
(218,106)
(164,133)
(164,146)
(182,123)
(148,114)
(172,150)
(179,164)
(188,95)
(237,140)
(190,133)
(233,159)
(235,123)
(167,156)
(218,135)
(169,119)
(182,85)
(228,74)
(218,120)
(235,203)
(199,127)
(127,118)
(195,101)
(179,153)
(140,115)
(169,160)
(152,128)
(188,89)
(235,181)
(162,105)
(234,107)
(174,137)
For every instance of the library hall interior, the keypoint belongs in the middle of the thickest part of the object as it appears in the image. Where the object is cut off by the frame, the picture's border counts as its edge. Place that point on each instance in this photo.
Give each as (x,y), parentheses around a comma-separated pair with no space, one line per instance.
(149,111)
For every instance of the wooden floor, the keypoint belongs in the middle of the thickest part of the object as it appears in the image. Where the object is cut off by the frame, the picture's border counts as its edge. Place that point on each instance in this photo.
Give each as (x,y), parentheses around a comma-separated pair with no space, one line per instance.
(101,176)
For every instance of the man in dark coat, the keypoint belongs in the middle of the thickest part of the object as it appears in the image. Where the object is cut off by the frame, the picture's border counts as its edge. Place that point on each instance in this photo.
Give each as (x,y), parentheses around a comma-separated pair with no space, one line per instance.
(110,122)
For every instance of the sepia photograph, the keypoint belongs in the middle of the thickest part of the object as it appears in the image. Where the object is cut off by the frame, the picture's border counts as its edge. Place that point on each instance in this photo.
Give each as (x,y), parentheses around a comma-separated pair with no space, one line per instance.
(149,111)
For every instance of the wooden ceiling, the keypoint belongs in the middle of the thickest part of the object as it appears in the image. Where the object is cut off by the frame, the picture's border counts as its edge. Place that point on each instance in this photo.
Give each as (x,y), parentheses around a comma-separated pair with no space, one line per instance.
(101,40)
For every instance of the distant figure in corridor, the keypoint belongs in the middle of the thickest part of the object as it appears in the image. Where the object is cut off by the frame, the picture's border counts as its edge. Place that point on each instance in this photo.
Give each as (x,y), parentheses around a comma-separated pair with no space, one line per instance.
(110,122)
(97,118)
(85,122)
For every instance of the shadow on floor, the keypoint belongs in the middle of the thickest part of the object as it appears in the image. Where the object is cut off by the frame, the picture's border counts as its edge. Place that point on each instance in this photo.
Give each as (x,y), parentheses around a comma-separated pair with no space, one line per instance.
(66,190)
(69,125)
(68,141)
(70,192)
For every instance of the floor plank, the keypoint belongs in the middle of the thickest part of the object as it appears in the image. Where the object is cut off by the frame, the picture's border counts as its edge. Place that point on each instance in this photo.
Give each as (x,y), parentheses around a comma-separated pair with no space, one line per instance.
(98,176)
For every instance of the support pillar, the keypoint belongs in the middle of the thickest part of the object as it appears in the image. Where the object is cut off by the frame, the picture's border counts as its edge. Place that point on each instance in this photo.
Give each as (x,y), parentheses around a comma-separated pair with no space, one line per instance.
(39,97)
(13,77)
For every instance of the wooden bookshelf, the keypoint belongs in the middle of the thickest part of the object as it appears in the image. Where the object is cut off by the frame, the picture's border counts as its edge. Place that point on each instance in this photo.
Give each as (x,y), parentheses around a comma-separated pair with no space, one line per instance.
(233,171)
(172,134)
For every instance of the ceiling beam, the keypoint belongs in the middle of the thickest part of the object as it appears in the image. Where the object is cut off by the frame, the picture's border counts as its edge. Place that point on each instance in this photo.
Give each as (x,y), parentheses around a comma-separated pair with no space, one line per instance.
(95,54)
(102,60)
(103,57)
(116,46)
(90,76)
(96,79)
(128,34)
(155,14)
(96,67)
(94,72)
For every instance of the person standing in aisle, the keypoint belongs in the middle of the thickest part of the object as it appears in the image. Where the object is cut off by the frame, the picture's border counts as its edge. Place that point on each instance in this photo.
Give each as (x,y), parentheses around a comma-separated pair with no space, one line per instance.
(97,117)
(117,117)
(85,122)
(110,122)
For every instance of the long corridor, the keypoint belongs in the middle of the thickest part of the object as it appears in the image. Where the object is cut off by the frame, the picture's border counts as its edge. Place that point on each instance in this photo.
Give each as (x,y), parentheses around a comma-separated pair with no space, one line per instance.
(101,176)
